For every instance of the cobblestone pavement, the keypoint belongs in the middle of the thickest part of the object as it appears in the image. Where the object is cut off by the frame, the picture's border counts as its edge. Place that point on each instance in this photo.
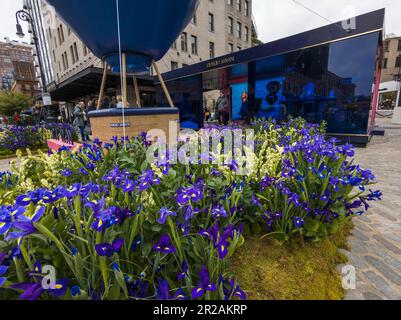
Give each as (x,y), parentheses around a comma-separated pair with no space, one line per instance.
(5,164)
(375,246)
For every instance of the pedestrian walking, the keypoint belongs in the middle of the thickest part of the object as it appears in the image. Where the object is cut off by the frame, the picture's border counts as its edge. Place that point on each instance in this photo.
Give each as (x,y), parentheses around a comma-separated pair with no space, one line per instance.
(222,108)
(79,122)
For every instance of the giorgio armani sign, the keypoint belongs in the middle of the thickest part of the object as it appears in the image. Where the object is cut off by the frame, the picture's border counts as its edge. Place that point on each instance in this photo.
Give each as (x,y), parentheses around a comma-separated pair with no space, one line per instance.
(220,62)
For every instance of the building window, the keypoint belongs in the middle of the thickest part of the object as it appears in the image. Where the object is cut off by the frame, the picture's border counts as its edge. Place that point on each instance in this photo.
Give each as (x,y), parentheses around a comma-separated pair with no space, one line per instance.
(174,45)
(399,45)
(230,47)
(60,32)
(246,34)
(211,50)
(239,27)
(211,22)
(194,45)
(385,63)
(184,42)
(387,46)
(194,19)
(85,50)
(246,8)
(174,65)
(64,57)
(230,2)
(230,25)
(238,5)
(239,48)
(398,62)
(76,52)
(72,54)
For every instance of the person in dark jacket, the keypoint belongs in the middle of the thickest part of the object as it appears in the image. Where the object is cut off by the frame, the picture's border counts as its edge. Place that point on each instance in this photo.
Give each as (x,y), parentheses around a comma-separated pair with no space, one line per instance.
(222,108)
(79,119)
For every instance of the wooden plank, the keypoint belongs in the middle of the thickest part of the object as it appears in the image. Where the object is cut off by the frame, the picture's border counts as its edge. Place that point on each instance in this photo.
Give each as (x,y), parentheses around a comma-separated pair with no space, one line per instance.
(103,85)
(124,75)
(163,84)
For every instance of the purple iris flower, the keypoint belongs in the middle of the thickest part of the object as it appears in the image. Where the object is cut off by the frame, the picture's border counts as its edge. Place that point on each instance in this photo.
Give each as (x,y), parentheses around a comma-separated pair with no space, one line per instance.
(31,291)
(232,290)
(3,270)
(347,149)
(299,222)
(96,205)
(60,288)
(107,250)
(180,295)
(164,213)
(163,290)
(2,257)
(129,185)
(220,240)
(23,200)
(164,245)
(334,182)
(266,182)
(294,199)
(39,212)
(374,195)
(255,201)
(219,212)
(203,285)
(181,275)
(136,243)
(67,172)
(25,229)
(105,219)
(189,212)
(83,172)
(75,291)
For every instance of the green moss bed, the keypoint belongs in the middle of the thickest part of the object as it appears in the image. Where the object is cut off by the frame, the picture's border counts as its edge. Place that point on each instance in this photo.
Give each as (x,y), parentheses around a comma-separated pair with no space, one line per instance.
(299,270)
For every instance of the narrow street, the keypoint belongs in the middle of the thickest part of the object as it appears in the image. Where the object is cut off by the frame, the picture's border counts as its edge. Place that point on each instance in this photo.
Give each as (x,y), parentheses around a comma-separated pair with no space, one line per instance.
(375,247)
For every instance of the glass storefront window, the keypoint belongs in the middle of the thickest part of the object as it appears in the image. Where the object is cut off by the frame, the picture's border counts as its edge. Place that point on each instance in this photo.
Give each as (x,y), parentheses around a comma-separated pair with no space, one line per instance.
(331,82)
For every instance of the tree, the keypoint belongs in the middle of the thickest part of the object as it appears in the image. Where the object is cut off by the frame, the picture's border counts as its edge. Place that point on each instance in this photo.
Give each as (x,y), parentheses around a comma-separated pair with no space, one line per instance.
(11,102)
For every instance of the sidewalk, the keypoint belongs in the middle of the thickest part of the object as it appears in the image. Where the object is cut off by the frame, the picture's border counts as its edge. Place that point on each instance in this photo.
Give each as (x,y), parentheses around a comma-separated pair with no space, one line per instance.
(376,241)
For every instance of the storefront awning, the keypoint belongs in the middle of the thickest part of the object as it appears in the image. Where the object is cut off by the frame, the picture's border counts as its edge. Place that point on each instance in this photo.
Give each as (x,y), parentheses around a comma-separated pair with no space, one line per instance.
(88,81)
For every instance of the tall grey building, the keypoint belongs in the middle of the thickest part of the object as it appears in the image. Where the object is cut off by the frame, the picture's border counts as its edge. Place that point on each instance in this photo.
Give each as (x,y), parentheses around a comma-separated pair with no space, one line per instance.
(392,59)
(217,28)
(37,9)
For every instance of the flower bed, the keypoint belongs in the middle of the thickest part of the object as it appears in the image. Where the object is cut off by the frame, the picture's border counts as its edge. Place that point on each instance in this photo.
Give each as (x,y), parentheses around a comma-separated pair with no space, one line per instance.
(115,227)
(15,138)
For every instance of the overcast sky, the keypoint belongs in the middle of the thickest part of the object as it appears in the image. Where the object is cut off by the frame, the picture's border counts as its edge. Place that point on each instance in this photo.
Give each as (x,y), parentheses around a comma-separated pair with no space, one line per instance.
(274,18)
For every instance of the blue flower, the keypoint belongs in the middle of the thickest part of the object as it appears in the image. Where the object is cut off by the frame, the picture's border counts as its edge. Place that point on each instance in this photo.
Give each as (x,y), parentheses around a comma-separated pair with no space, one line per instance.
(219,212)
(203,285)
(107,250)
(164,213)
(67,172)
(180,295)
(164,245)
(299,222)
(129,185)
(75,291)
(181,275)
(3,270)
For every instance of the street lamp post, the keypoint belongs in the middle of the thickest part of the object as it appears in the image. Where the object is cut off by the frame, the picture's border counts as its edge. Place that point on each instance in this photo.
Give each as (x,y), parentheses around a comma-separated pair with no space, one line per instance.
(25,16)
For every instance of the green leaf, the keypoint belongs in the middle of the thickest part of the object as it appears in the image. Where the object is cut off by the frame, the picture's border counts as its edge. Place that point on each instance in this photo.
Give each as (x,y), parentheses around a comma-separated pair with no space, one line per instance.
(114,293)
